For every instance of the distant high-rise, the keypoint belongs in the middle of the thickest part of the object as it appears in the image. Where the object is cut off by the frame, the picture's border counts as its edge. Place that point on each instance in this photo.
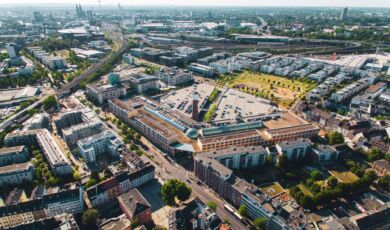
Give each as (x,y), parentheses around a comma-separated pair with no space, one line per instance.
(89,15)
(38,17)
(79,11)
(195,106)
(11,50)
(344,14)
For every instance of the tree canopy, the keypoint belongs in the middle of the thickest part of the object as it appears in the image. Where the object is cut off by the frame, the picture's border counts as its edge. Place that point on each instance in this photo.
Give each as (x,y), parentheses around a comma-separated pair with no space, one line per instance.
(212,205)
(174,188)
(90,217)
(49,102)
(335,138)
(242,210)
(259,223)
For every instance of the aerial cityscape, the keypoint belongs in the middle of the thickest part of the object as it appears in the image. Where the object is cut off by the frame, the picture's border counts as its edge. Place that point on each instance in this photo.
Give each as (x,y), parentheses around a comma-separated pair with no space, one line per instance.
(202,115)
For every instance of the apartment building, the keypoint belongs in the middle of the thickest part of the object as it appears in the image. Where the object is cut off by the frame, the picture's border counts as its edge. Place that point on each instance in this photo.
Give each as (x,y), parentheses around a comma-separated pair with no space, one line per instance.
(37,121)
(49,201)
(218,177)
(295,149)
(350,90)
(239,157)
(67,119)
(83,130)
(57,160)
(231,64)
(135,206)
(121,182)
(102,93)
(381,167)
(12,155)
(323,153)
(102,143)
(16,174)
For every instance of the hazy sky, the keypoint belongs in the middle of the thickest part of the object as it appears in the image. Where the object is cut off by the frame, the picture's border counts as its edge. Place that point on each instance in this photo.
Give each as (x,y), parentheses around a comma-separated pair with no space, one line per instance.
(350,3)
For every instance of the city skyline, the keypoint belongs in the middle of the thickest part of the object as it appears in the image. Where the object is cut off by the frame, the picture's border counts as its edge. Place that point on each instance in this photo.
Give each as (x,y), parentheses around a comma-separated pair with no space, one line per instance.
(301,3)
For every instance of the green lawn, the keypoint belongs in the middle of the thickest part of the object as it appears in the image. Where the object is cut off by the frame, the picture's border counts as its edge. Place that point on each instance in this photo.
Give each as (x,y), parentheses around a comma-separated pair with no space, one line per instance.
(272,189)
(344,177)
(305,190)
(279,89)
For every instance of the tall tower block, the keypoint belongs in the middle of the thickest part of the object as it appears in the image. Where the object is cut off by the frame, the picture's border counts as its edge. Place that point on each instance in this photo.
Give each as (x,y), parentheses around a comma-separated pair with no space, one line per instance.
(195,106)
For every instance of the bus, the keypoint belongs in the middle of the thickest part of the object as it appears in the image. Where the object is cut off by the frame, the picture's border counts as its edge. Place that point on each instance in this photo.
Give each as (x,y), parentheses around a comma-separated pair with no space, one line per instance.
(230,209)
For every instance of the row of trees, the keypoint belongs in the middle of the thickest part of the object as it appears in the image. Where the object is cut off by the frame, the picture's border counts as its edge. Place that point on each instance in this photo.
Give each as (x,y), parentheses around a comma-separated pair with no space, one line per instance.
(43,175)
(258,223)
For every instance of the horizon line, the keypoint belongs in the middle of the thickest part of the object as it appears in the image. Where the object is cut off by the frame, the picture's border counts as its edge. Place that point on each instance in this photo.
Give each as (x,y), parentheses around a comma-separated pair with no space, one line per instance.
(185,5)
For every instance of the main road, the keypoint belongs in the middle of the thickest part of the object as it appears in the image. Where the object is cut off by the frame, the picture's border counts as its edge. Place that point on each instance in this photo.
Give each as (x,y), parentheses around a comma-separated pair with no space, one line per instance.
(166,169)
(170,170)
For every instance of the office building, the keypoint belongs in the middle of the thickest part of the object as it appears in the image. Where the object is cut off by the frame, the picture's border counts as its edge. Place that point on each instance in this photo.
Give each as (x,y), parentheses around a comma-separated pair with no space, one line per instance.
(174,76)
(12,155)
(56,159)
(203,70)
(102,93)
(16,174)
(38,17)
(102,143)
(344,14)
(55,63)
(144,82)
(11,49)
